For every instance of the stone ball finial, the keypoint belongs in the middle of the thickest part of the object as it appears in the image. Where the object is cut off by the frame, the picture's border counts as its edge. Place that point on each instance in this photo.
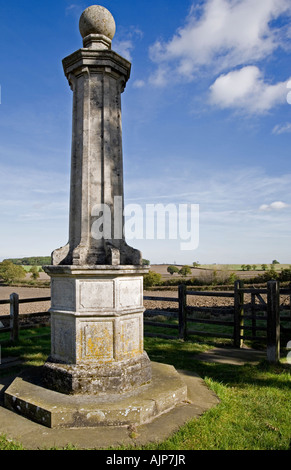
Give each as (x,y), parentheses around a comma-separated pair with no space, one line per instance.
(97,20)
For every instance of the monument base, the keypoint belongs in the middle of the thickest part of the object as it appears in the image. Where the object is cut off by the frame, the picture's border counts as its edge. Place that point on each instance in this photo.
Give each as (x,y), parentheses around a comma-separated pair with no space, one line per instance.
(91,379)
(27,397)
(97,342)
(98,373)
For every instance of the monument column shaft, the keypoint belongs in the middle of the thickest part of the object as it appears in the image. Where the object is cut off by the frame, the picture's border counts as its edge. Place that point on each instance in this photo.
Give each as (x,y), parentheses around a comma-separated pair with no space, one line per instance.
(97,166)
(97,78)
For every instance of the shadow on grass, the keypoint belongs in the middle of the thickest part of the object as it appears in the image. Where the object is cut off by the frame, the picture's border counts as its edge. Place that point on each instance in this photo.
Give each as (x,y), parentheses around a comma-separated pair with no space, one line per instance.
(34,347)
(182,356)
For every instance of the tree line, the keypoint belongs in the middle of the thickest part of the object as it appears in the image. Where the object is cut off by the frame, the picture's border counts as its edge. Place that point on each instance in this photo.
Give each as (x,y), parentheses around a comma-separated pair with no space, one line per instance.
(31,261)
(10,272)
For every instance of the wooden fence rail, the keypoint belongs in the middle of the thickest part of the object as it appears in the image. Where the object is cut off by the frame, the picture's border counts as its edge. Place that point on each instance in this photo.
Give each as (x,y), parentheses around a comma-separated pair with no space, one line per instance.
(13,318)
(269,312)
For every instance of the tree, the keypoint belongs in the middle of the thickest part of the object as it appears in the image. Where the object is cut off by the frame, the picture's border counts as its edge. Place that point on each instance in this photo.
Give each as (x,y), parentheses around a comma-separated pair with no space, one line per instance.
(146,262)
(185,271)
(152,279)
(269,275)
(285,275)
(248,267)
(275,261)
(10,272)
(243,267)
(34,272)
(254,267)
(196,264)
(264,267)
(172,270)
(232,278)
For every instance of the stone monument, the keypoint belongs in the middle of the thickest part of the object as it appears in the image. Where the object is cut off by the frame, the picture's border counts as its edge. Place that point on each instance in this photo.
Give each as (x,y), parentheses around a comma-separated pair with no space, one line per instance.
(97,281)
(98,371)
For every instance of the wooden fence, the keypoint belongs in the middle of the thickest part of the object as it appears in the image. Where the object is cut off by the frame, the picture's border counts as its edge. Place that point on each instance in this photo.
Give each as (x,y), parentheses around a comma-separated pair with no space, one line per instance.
(13,318)
(241,318)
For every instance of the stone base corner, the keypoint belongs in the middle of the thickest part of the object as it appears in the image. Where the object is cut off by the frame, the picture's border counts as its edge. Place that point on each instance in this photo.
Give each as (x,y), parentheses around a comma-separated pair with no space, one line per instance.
(27,397)
(80,379)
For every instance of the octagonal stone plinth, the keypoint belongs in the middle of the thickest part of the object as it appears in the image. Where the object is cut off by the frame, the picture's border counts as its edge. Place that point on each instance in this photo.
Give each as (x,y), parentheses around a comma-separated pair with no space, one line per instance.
(97,330)
(117,377)
(28,397)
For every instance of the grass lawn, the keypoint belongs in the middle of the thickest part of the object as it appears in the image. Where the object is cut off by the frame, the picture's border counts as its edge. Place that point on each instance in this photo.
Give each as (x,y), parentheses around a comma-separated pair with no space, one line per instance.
(255,401)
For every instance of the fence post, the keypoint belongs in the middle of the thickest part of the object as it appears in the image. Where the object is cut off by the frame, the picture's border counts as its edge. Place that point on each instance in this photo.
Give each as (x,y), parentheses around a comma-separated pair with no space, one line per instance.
(273,322)
(253,313)
(238,330)
(182,312)
(14,317)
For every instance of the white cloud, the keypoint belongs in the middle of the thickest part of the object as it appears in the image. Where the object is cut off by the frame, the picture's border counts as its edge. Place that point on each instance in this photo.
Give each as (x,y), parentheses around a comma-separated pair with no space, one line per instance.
(282,128)
(34,210)
(221,35)
(73,9)
(36,189)
(234,189)
(288,97)
(139,83)
(124,48)
(160,77)
(124,42)
(274,206)
(229,211)
(246,89)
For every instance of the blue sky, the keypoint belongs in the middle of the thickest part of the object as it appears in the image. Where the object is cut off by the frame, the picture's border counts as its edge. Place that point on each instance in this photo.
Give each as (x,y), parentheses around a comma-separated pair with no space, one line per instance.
(206,120)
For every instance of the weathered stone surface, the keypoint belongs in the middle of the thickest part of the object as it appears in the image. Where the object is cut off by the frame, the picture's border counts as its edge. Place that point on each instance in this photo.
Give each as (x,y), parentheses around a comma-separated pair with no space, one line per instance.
(97,20)
(97,78)
(35,436)
(97,290)
(96,279)
(166,390)
(118,377)
(97,330)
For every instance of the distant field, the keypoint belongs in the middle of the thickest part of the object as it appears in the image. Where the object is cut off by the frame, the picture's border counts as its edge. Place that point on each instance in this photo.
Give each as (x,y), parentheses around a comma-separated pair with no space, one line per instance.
(237,267)
(28,268)
(204,271)
(223,267)
(42,275)
(207,270)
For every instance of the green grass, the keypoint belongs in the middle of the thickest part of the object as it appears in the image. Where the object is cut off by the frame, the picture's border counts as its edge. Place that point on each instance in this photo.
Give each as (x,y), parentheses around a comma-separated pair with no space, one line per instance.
(33,346)
(8,444)
(255,408)
(254,412)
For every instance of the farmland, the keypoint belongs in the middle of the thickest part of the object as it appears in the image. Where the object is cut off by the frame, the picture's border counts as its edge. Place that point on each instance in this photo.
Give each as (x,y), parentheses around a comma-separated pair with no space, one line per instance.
(221,271)
(204,273)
